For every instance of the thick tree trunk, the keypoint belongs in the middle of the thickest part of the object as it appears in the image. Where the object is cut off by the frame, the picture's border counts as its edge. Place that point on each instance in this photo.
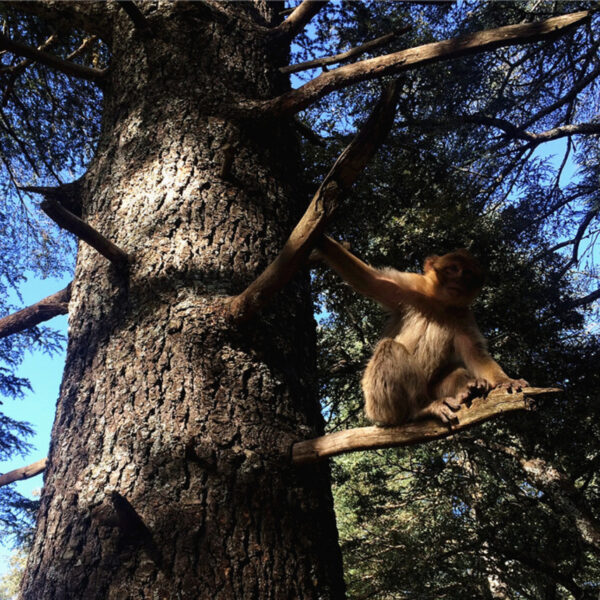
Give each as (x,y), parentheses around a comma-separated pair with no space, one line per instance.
(169,472)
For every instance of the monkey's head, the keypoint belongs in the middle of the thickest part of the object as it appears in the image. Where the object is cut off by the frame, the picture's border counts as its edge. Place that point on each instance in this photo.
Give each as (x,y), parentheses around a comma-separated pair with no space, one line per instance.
(457,277)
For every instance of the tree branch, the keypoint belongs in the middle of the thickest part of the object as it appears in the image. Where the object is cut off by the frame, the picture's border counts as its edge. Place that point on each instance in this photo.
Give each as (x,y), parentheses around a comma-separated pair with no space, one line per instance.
(344,56)
(65,66)
(584,300)
(336,184)
(568,97)
(51,306)
(502,124)
(24,472)
(371,438)
(67,220)
(373,68)
(564,131)
(92,17)
(135,14)
(299,18)
(67,194)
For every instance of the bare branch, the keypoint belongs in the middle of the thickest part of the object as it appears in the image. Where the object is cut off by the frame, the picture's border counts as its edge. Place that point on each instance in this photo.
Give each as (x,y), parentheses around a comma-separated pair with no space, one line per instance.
(570,96)
(589,217)
(299,18)
(68,194)
(336,184)
(344,56)
(502,124)
(373,68)
(585,300)
(67,220)
(564,131)
(65,66)
(135,14)
(24,472)
(371,438)
(49,307)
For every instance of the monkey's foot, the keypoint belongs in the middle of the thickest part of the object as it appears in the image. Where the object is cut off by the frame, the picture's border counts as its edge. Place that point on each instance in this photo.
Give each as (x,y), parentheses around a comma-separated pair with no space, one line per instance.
(511,385)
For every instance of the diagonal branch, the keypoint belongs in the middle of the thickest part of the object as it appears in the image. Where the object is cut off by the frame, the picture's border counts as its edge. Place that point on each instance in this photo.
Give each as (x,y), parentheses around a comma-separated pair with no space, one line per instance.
(55,62)
(24,472)
(372,438)
(299,18)
(345,56)
(568,97)
(67,220)
(135,14)
(49,307)
(585,300)
(373,68)
(67,194)
(336,184)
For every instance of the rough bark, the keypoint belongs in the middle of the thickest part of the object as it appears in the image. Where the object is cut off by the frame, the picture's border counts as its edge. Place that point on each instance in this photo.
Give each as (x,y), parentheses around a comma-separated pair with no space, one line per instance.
(168,473)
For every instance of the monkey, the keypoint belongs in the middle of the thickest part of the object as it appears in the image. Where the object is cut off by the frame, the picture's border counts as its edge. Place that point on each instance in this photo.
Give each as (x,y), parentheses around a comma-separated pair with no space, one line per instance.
(431,356)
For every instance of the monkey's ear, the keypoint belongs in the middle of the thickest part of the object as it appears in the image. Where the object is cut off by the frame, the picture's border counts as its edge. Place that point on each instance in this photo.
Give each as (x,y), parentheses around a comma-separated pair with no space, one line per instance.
(429,263)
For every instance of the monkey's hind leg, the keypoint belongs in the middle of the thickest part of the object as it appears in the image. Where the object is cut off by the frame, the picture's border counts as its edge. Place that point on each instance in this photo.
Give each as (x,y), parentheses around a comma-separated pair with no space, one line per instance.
(392,383)
(450,393)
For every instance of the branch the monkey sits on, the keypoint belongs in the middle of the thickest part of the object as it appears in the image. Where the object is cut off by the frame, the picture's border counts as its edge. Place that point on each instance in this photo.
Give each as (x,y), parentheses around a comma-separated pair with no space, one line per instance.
(431,356)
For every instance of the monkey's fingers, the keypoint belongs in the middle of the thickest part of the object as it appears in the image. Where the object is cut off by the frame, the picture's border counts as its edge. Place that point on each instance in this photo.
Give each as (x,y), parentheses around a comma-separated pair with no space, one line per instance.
(512,385)
(446,414)
(479,386)
(454,403)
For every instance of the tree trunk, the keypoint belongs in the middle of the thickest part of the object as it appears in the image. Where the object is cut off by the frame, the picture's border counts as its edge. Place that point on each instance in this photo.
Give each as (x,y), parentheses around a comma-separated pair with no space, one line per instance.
(169,471)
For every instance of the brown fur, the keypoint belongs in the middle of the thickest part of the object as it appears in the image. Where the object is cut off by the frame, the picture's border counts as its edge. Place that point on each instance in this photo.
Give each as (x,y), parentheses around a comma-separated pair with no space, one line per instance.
(431,356)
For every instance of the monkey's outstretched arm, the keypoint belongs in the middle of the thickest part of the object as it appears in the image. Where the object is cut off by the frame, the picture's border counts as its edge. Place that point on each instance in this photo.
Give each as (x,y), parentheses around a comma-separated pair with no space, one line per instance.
(369,281)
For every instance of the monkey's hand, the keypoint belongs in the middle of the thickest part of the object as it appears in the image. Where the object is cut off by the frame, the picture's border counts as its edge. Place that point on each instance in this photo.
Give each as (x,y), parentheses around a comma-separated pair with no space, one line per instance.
(511,385)
(443,409)
(478,387)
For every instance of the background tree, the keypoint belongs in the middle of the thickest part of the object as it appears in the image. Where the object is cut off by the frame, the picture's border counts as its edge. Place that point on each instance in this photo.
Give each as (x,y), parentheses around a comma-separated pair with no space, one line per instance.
(508,510)
(183,391)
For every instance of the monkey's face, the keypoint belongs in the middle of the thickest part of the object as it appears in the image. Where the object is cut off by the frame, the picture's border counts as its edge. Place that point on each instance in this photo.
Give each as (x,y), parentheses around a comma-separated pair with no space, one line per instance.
(458,277)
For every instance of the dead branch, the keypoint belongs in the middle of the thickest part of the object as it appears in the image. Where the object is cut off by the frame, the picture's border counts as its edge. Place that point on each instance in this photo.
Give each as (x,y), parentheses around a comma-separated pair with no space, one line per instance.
(373,68)
(65,66)
(336,184)
(298,20)
(51,306)
(67,194)
(372,438)
(135,14)
(344,56)
(24,472)
(67,220)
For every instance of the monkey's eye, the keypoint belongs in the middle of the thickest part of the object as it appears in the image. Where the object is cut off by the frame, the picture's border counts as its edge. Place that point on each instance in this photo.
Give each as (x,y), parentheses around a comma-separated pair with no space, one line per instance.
(451,269)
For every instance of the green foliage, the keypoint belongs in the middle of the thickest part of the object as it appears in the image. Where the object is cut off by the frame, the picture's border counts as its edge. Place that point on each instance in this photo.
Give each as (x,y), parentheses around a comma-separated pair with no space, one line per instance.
(469,517)
(9,583)
(48,130)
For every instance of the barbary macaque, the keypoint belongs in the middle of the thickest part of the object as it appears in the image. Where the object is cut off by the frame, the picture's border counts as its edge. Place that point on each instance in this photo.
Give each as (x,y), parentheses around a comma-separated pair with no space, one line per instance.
(431,356)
